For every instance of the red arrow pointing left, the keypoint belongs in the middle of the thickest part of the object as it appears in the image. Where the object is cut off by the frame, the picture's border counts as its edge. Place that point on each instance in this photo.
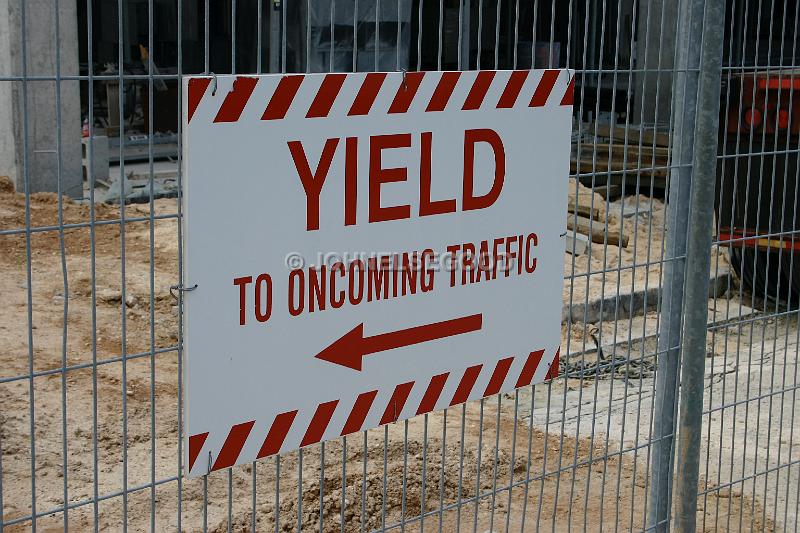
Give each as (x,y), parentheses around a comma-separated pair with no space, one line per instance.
(350,349)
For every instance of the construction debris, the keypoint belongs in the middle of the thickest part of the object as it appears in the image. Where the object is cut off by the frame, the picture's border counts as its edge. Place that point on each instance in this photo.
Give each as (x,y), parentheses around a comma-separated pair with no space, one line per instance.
(583,201)
(615,155)
(633,134)
(576,243)
(610,233)
(137,187)
(588,216)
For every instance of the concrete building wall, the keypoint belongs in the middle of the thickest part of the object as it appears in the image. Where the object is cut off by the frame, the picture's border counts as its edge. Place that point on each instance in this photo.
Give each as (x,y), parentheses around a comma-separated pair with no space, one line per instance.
(40,97)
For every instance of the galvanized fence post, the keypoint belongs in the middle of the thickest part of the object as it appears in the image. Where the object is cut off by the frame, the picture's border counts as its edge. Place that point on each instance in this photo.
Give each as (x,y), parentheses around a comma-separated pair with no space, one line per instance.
(682,339)
(698,264)
(684,107)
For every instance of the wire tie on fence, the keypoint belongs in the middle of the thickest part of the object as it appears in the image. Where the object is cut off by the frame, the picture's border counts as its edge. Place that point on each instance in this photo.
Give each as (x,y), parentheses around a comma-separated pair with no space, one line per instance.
(214,86)
(563,234)
(180,288)
(405,84)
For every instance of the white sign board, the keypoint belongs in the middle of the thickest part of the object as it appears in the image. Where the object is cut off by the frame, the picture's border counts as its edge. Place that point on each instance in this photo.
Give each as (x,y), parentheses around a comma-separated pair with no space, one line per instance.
(366,248)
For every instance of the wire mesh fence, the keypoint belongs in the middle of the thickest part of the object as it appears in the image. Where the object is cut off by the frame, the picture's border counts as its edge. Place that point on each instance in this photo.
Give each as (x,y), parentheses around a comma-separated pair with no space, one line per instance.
(680,286)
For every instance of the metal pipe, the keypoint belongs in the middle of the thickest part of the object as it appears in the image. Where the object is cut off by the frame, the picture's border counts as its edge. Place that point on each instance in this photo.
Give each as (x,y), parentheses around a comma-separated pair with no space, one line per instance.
(698,264)
(684,106)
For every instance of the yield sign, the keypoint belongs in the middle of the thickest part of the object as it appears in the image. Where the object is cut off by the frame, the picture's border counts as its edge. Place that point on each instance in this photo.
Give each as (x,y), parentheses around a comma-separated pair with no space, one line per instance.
(366,248)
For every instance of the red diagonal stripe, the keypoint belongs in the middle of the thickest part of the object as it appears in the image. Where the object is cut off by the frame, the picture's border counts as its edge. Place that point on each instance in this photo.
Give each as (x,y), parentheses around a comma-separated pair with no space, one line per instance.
(432,394)
(479,89)
(526,376)
(465,385)
(277,434)
(552,372)
(569,95)
(444,89)
(319,422)
(196,441)
(233,105)
(233,445)
(326,95)
(282,97)
(197,88)
(406,92)
(498,376)
(544,88)
(396,402)
(512,90)
(367,94)
(359,413)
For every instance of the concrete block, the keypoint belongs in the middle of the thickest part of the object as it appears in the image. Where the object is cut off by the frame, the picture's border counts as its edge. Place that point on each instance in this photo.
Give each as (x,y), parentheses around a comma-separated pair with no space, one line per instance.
(99,160)
(576,243)
(631,303)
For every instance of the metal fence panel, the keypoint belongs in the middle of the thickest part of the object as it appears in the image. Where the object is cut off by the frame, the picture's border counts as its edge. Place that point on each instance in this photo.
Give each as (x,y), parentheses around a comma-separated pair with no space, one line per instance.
(673,407)
(748,411)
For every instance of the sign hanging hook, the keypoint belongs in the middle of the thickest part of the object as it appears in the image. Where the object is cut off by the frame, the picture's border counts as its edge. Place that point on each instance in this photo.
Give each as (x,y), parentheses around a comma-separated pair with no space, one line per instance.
(180,289)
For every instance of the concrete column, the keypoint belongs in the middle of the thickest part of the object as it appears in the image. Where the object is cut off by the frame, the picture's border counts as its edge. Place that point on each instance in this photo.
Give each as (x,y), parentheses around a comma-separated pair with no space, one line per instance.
(43,50)
(655,48)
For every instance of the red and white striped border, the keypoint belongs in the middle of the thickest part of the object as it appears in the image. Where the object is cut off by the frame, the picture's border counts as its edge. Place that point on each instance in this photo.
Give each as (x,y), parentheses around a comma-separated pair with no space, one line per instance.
(272,438)
(272,98)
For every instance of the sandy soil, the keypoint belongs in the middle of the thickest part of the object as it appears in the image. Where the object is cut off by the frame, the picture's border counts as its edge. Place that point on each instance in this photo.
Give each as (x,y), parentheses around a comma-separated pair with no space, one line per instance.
(606,269)
(749,447)
(129,408)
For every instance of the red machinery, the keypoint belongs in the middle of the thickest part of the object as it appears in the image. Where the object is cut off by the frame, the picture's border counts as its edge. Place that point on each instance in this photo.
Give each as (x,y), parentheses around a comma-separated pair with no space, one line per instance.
(770,103)
(758,204)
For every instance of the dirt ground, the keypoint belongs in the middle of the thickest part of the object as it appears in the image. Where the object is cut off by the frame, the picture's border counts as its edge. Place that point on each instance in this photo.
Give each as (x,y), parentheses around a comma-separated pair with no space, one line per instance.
(604,268)
(120,425)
